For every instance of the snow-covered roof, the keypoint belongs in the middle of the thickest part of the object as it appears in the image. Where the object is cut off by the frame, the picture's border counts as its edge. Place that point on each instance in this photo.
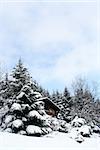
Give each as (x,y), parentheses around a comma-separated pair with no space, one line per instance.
(47,99)
(37,93)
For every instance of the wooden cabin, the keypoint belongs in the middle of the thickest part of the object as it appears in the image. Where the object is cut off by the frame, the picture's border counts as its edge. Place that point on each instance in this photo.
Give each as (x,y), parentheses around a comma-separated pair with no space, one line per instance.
(50,107)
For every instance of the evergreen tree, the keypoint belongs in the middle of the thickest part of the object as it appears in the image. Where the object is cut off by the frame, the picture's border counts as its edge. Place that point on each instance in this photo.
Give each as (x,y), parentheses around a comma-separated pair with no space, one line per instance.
(20,73)
(20,78)
(23,111)
(83,101)
(66,103)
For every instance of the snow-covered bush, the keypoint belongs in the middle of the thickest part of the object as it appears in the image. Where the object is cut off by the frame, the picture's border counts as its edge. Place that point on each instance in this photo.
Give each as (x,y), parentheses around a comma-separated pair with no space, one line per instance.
(96,129)
(64,126)
(34,130)
(78,122)
(85,131)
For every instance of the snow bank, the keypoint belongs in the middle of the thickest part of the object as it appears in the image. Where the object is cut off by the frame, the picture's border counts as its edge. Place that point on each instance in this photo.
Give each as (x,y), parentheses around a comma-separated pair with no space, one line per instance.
(54,141)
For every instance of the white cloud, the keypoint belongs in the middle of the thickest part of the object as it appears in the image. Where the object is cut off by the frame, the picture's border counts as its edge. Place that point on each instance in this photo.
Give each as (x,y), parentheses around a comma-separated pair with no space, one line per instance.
(81,61)
(68,32)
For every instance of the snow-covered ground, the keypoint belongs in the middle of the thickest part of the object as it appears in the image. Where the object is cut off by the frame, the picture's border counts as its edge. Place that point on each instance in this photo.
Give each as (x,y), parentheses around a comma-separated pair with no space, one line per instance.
(53,141)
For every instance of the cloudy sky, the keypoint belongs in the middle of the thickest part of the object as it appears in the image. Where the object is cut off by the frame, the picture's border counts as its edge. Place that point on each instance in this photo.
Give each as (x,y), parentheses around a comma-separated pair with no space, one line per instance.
(56,40)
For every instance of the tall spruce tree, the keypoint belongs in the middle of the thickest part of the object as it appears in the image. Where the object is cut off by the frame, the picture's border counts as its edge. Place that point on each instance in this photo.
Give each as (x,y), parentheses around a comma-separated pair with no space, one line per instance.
(20,78)
(67,103)
(83,101)
(24,112)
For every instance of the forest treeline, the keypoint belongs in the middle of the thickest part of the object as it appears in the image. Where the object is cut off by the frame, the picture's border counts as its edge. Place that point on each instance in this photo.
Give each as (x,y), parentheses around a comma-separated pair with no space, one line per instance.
(82,103)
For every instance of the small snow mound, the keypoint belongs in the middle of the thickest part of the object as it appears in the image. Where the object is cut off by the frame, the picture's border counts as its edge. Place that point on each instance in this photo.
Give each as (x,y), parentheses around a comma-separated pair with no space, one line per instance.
(79,138)
(33,130)
(78,122)
(22,132)
(17,123)
(16,106)
(8,130)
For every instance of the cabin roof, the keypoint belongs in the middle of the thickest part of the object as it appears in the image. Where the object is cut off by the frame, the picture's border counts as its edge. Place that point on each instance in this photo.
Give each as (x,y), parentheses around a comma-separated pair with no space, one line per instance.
(46,99)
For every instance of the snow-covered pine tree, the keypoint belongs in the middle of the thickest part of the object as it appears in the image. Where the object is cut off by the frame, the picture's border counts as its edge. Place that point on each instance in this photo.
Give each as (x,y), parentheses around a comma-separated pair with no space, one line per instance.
(4,89)
(24,111)
(66,103)
(88,110)
(56,97)
(20,76)
(83,101)
(46,93)
(97,111)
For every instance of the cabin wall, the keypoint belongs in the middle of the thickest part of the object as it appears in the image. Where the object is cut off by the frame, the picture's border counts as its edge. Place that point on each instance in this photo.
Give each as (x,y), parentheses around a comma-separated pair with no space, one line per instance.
(50,110)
